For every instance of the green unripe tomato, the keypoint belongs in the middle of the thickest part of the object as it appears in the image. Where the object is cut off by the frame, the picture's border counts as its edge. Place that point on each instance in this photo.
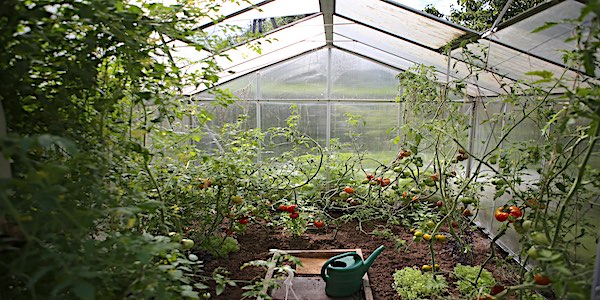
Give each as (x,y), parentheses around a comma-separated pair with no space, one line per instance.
(527,225)
(539,238)
(430,224)
(533,252)
(187,244)
(502,164)
(467,200)
(175,237)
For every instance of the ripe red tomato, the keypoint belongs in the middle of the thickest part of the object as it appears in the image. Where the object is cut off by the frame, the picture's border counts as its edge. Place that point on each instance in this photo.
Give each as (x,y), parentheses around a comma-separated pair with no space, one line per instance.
(500,214)
(319,223)
(243,221)
(283,207)
(370,176)
(385,182)
(294,215)
(541,279)
(514,213)
(292,208)
(439,204)
(467,212)
(497,289)
(349,190)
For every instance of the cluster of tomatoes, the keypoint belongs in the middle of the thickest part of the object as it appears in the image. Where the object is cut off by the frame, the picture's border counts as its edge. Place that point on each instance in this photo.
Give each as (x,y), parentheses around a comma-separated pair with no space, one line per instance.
(510,213)
(418,234)
(377,181)
(290,209)
(403,153)
(462,155)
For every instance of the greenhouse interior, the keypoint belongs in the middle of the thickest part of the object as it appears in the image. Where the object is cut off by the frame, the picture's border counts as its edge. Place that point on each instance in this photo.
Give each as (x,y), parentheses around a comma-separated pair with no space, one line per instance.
(313,149)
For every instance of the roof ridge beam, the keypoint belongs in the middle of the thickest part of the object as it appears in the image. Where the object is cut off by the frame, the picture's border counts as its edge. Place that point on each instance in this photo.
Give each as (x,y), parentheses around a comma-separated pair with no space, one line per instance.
(328,10)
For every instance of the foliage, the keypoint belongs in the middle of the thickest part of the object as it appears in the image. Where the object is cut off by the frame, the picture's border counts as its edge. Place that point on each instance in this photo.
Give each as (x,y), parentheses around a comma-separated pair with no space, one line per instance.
(90,202)
(536,150)
(411,284)
(470,282)
(220,246)
(480,15)
(281,264)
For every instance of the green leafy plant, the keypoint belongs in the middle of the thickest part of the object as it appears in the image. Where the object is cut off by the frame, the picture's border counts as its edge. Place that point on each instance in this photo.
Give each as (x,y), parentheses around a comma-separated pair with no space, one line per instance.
(220,246)
(280,264)
(411,284)
(470,282)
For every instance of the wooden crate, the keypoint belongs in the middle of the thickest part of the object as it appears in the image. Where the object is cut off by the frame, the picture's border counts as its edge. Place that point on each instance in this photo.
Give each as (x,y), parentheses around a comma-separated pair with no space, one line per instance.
(308,283)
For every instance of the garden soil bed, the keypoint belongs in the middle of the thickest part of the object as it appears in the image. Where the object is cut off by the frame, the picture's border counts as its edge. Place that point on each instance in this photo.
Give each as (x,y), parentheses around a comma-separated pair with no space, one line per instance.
(257,241)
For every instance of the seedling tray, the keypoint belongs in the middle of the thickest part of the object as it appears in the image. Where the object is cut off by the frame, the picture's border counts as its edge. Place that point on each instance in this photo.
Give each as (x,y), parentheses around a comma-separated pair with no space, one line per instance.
(308,283)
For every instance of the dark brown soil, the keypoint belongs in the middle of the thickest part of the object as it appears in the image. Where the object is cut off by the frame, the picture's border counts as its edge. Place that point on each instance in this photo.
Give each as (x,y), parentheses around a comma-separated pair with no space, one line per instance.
(257,241)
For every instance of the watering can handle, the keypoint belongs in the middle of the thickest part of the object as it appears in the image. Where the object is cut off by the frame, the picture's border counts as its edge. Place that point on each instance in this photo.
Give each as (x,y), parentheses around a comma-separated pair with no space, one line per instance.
(329,261)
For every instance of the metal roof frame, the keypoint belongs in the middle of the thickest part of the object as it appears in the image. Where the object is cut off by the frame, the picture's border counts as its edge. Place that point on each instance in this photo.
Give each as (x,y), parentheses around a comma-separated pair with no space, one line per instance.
(328,11)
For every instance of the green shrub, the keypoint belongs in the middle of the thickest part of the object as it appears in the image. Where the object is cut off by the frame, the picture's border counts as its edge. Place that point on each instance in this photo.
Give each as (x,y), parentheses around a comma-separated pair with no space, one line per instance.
(220,247)
(466,276)
(411,284)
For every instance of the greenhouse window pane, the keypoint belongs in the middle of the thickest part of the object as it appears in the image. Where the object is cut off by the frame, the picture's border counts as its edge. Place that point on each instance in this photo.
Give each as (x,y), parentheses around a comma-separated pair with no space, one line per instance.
(410,54)
(387,43)
(245,26)
(275,47)
(313,122)
(489,125)
(547,43)
(357,78)
(376,135)
(368,51)
(220,115)
(226,7)
(304,77)
(399,21)
(243,87)
(514,64)
(278,8)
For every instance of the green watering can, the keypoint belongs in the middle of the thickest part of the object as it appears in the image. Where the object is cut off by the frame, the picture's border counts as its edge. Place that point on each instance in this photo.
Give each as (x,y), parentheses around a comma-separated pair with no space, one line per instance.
(343,273)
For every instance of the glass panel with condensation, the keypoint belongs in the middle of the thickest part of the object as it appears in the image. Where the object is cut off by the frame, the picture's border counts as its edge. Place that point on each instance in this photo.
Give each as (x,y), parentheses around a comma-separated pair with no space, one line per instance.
(512,63)
(274,9)
(275,47)
(400,21)
(304,77)
(354,77)
(368,51)
(547,43)
(244,88)
(313,123)
(413,54)
(375,135)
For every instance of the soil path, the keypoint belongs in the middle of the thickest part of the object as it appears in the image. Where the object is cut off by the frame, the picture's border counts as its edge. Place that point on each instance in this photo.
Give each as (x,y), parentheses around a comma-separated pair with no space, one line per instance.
(257,241)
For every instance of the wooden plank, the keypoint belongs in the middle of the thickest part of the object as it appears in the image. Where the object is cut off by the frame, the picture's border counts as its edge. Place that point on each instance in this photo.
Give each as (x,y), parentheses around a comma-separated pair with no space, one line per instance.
(310,265)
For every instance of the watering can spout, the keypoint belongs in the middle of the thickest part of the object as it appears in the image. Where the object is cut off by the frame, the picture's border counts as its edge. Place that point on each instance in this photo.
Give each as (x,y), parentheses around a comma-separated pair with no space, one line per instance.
(373,256)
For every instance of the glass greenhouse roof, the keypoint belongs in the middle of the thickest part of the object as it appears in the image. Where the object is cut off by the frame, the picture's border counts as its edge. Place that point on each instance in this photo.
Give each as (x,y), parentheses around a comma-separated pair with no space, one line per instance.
(397,36)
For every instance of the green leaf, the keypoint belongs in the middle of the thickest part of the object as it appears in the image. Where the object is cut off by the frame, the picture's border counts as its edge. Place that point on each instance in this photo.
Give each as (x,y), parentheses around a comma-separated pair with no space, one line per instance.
(220,288)
(84,290)
(190,294)
(545,26)
(543,74)
(201,286)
